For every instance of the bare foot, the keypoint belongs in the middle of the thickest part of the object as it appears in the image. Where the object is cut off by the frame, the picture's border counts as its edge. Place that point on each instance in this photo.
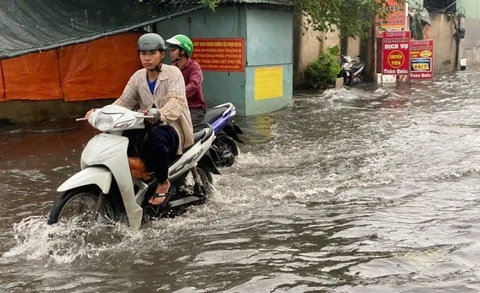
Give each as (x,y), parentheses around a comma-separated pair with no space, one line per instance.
(162,189)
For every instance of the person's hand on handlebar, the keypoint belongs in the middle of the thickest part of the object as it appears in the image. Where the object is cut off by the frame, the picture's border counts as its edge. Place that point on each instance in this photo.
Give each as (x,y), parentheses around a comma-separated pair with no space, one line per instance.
(155,113)
(89,113)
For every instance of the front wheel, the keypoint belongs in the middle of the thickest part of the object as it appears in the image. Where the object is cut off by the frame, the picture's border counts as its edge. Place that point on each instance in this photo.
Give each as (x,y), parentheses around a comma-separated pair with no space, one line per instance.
(226,150)
(82,205)
(347,78)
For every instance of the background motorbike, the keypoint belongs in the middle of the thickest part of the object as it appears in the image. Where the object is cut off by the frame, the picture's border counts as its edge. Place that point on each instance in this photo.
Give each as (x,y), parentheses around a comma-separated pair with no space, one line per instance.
(224,149)
(113,183)
(351,70)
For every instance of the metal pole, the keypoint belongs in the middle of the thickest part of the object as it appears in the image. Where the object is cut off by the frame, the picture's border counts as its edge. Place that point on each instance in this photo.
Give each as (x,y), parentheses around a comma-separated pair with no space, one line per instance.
(454,2)
(407,28)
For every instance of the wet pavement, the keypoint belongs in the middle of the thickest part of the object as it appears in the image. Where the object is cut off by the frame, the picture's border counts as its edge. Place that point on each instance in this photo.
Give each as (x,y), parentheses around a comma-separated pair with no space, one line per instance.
(353,190)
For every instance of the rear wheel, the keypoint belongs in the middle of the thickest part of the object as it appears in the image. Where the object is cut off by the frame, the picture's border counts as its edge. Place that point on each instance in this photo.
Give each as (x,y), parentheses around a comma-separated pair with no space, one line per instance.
(194,189)
(79,205)
(198,182)
(360,77)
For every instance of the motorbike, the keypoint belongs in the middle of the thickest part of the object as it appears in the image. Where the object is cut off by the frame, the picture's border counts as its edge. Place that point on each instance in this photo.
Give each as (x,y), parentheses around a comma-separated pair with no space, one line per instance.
(114,184)
(224,149)
(351,70)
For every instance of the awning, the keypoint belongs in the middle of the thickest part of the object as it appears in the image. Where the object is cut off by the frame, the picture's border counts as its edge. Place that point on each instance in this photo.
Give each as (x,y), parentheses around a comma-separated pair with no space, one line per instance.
(28,26)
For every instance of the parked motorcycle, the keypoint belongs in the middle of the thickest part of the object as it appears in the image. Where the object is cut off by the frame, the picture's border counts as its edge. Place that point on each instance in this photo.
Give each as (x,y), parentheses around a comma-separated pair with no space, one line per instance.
(113,184)
(351,70)
(224,149)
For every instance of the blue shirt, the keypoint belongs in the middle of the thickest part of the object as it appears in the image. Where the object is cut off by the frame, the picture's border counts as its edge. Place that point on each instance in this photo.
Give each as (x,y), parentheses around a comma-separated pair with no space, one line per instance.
(151,85)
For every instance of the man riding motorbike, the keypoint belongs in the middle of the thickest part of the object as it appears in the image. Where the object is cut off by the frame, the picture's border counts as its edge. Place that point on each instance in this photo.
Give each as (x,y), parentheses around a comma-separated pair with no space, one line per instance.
(159,90)
(181,49)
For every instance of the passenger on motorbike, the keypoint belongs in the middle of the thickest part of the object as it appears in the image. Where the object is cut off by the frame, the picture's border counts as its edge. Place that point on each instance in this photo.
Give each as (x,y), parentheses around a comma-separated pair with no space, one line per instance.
(181,48)
(159,90)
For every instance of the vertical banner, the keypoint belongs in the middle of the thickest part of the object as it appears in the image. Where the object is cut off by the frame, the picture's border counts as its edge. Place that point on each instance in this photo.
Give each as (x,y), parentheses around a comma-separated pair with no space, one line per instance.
(396,19)
(421,59)
(396,52)
(219,54)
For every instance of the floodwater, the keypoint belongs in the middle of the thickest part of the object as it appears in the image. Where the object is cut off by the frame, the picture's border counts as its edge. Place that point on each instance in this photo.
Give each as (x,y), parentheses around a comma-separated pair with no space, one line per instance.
(353,190)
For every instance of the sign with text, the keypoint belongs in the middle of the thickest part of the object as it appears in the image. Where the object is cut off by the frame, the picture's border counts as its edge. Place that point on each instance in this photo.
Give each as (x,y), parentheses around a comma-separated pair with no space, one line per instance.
(421,52)
(268,82)
(396,18)
(219,54)
(396,52)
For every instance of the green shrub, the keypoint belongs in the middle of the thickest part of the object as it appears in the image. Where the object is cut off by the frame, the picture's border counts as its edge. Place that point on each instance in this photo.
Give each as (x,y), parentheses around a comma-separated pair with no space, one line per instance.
(323,72)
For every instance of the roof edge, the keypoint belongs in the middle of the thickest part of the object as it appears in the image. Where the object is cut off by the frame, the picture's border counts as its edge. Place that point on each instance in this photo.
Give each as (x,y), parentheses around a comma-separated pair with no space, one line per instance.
(99,36)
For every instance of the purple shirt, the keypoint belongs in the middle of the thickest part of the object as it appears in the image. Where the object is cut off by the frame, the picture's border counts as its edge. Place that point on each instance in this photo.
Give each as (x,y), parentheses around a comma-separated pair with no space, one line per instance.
(193,76)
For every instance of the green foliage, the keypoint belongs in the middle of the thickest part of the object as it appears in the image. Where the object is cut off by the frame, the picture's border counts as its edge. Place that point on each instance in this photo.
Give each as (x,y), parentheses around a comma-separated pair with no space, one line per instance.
(352,18)
(323,72)
(212,4)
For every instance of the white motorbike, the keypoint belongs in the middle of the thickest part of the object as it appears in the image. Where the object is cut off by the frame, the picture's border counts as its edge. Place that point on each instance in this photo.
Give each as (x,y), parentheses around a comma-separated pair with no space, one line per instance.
(113,183)
(351,70)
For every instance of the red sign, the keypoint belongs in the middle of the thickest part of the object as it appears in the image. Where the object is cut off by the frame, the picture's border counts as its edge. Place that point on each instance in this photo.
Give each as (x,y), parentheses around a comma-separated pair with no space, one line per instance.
(396,52)
(422,59)
(219,54)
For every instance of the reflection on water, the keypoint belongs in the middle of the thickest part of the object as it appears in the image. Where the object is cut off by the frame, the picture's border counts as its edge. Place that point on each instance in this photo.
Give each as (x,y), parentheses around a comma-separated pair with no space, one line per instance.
(260,128)
(352,190)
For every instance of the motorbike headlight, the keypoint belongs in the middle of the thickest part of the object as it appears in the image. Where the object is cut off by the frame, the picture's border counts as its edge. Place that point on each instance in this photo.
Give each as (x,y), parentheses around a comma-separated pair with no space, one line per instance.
(104,122)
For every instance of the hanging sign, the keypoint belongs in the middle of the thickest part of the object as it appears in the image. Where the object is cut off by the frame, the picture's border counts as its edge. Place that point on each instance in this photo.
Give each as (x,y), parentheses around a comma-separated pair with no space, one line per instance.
(422,59)
(396,18)
(396,53)
(219,54)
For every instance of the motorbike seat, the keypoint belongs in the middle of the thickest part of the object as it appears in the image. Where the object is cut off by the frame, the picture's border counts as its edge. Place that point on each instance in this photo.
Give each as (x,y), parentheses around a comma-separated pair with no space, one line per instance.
(213,114)
(137,165)
(357,65)
(199,134)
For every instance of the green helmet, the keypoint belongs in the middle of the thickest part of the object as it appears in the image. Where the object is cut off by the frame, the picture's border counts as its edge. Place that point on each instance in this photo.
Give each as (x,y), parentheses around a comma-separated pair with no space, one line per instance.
(150,42)
(183,42)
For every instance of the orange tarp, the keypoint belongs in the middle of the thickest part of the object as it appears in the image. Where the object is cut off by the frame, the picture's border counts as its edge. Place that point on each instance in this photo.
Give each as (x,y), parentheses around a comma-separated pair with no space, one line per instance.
(98,69)
(32,77)
(95,70)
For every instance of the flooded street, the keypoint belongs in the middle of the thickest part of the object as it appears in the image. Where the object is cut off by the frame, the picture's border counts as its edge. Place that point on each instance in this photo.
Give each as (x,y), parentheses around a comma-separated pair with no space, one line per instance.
(353,190)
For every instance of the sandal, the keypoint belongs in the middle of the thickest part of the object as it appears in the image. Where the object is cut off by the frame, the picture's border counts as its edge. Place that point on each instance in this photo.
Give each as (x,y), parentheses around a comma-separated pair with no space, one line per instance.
(157,195)
(167,196)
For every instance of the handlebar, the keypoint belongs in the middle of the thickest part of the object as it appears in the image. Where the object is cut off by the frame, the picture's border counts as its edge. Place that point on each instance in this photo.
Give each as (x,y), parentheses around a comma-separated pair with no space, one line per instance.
(144,116)
(138,116)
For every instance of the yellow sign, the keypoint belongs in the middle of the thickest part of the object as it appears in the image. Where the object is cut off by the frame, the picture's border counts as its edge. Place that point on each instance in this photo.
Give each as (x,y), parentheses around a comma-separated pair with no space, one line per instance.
(421,66)
(396,59)
(268,82)
(426,54)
